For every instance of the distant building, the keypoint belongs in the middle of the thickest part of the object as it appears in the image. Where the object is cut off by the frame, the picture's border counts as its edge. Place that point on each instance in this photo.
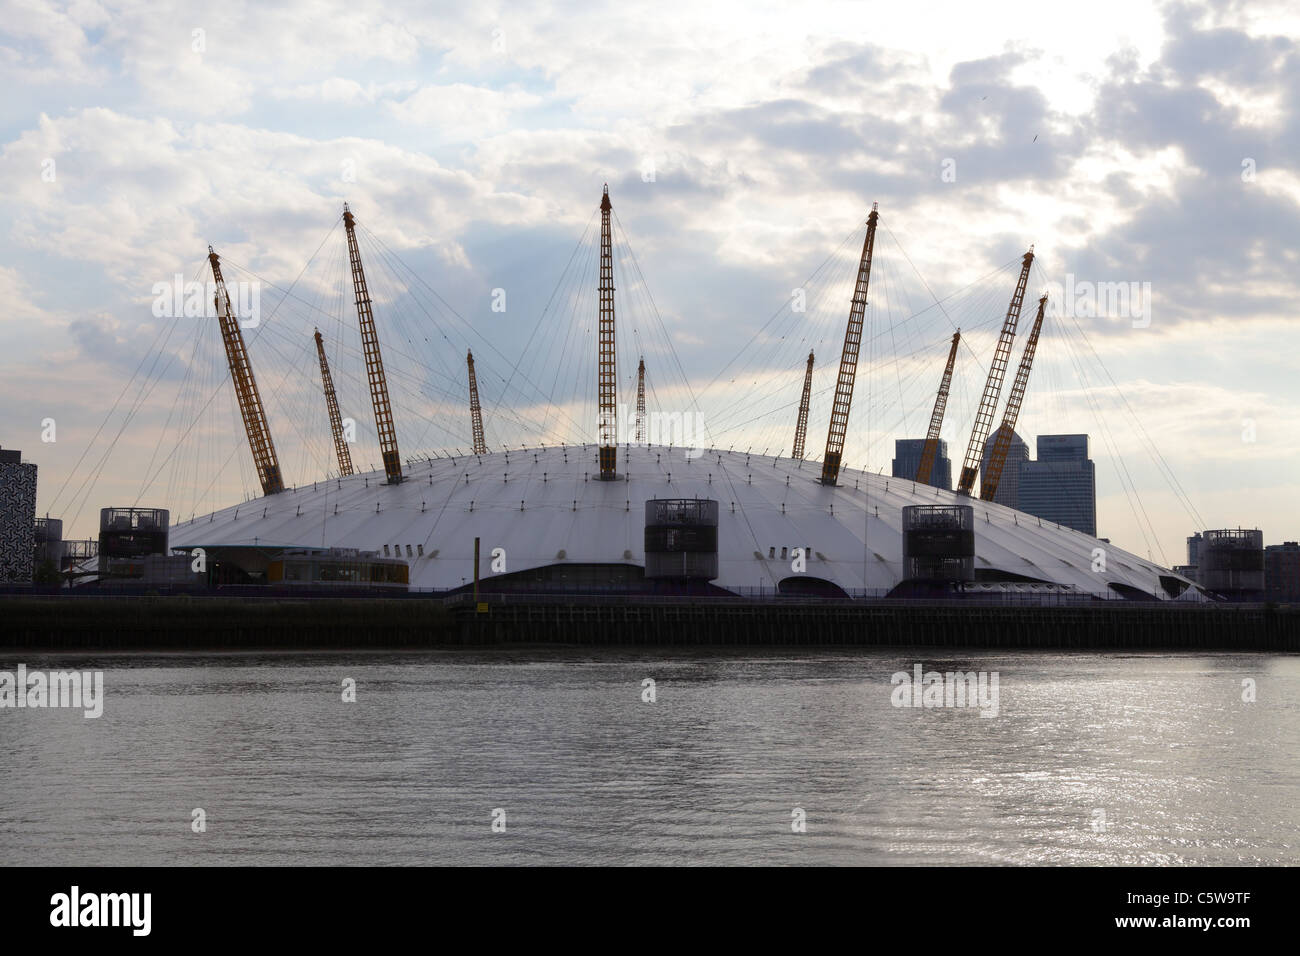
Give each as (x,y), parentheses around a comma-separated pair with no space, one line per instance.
(1232,563)
(1193,566)
(1061,486)
(17,517)
(127,536)
(1008,492)
(48,542)
(907,459)
(1282,572)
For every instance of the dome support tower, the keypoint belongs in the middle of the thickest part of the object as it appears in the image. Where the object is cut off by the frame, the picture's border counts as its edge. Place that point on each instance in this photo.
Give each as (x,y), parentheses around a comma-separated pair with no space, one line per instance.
(475,410)
(801,425)
(1002,441)
(640,403)
(608,383)
(250,400)
(993,385)
(332,404)
(374,360)
(931,448)
(849,360)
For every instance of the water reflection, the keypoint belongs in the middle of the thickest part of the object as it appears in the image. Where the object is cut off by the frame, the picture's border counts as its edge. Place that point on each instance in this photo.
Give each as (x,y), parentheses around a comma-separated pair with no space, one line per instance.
(1163,747)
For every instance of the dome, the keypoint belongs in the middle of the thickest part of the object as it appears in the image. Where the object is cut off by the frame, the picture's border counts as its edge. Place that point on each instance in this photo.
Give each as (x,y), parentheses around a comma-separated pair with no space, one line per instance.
(546,508)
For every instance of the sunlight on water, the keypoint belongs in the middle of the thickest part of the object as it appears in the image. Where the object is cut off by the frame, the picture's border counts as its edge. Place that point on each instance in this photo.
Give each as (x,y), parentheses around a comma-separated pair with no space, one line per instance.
(1092,759)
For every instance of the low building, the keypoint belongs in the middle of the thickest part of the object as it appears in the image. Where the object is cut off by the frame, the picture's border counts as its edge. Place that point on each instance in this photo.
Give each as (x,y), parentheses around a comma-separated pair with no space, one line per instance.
(337,568)
(172,571)
(1232,563)
(126,537)
(47,548)
(1282,572)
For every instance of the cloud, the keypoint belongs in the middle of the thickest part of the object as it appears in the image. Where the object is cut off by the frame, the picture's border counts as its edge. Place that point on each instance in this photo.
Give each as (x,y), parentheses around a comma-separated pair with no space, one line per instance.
(44,44)
(739,150)
(460,112)
(342,91)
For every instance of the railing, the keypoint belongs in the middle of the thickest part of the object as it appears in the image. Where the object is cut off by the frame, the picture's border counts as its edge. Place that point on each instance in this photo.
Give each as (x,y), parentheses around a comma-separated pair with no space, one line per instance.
(454,598)
(878,599)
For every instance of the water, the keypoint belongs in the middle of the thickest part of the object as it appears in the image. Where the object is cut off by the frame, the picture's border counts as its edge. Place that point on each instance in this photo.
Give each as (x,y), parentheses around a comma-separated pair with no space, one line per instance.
(1184,771)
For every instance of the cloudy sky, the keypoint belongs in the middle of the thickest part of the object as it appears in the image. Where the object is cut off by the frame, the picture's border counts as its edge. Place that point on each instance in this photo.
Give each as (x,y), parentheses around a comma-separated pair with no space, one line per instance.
(1144,144)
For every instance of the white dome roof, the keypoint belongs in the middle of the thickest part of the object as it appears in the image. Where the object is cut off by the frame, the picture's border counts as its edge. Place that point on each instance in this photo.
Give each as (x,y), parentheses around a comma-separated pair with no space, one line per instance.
(545,506)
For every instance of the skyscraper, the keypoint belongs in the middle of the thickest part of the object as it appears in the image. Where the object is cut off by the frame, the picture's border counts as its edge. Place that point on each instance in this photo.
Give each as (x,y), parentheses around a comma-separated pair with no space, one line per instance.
(1061,486)
(907,458)
(17,517)
(1008,492)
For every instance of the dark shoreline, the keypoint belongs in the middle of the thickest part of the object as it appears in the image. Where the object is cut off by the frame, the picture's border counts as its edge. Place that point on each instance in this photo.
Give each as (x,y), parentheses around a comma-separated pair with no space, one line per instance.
(185,623)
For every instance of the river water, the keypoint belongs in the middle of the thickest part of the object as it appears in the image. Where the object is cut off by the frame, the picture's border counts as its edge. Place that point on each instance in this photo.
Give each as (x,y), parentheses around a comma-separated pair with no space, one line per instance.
(1091,759)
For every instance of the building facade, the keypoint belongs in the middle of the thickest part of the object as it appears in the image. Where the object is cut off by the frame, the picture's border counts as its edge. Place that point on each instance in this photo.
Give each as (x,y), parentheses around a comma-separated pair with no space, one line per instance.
(907,459)
(1232,563)
(48,542)
(17,518)
(1061,486)
(1282,572)
(1008,492)
(127,536)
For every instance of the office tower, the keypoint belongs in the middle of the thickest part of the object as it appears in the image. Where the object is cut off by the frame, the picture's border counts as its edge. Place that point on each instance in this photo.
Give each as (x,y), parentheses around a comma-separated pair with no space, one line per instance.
(907,458)
(1008,492)
(1061,486)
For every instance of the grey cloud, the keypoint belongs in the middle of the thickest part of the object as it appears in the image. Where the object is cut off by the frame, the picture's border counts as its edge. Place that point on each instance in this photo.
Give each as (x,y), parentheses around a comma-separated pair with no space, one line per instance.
(1191,53)
(855,68)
